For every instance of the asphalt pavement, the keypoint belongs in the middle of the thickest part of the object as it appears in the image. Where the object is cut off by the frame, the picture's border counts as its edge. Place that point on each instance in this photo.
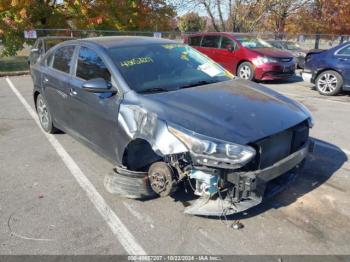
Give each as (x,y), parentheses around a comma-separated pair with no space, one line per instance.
(53,200)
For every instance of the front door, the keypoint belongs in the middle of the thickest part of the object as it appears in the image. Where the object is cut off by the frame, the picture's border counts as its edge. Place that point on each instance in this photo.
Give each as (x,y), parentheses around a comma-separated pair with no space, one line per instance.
(93,117)
(343,62)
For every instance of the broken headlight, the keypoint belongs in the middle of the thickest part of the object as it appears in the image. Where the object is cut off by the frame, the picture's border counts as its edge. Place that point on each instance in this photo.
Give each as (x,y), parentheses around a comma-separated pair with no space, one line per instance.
(213,152)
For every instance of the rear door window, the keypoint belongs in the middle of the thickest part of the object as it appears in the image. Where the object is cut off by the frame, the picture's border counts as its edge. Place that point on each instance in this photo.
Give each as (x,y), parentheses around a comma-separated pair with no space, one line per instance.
(211,41)
(63,58)
(194,40)
(91,66)
(49,59)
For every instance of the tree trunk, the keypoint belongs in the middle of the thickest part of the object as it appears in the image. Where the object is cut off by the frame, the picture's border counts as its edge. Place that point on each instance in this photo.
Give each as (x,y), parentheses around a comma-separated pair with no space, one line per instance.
(218,3)
(207,8)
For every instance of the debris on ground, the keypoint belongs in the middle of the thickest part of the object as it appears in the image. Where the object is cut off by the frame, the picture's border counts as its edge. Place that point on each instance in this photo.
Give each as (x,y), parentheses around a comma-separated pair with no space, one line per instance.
(237,225)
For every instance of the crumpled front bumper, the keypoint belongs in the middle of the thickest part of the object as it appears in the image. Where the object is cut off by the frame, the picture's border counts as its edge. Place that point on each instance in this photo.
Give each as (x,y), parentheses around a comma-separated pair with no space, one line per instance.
(248,187)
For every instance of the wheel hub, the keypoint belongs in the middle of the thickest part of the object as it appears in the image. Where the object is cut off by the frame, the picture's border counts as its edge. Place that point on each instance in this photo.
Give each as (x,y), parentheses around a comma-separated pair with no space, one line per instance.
(161,178)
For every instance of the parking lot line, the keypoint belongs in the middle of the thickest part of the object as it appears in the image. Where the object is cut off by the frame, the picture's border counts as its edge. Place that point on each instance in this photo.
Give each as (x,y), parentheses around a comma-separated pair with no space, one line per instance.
(124,236)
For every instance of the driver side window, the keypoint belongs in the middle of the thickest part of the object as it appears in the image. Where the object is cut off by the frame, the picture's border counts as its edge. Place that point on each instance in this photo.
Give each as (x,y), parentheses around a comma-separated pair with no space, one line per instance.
(225,41)
(91,66)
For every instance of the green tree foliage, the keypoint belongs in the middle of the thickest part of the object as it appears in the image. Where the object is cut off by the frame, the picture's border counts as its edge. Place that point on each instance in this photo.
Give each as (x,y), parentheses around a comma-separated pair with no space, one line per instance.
(191,22)
(122,15)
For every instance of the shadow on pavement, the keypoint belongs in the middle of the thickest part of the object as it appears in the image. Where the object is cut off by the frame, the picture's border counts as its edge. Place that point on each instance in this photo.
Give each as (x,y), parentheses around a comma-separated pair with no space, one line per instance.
(294,79)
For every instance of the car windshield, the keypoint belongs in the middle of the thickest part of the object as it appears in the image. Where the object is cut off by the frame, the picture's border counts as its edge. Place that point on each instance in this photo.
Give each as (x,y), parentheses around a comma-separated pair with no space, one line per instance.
(165,67)
(252,43)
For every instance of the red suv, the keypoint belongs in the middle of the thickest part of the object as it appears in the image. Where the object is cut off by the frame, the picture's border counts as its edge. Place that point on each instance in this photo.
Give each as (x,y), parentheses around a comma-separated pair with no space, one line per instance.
(245,56)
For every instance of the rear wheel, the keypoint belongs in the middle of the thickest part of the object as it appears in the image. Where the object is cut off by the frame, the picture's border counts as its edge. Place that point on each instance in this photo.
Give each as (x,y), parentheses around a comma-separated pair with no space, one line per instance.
(329,83)
(245,71)
(44,115)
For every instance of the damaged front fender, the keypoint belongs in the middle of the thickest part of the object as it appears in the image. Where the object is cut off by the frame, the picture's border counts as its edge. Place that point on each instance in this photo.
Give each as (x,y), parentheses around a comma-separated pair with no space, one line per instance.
(137,123)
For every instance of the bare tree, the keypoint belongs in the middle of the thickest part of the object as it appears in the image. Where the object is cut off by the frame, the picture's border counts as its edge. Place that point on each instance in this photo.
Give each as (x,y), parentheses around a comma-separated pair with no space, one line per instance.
(233,15)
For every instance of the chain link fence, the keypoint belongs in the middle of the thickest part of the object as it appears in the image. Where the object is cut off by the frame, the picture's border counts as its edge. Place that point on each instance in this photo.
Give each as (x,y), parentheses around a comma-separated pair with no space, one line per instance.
(305,41)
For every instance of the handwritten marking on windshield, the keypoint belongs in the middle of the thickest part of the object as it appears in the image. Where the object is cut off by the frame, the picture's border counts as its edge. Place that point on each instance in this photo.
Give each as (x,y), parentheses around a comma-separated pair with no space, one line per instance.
(136,61)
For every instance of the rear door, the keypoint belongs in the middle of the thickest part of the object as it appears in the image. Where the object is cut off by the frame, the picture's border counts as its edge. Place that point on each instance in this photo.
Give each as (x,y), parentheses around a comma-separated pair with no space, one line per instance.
(210,46)
(93,117)
(194,41)
(55,79)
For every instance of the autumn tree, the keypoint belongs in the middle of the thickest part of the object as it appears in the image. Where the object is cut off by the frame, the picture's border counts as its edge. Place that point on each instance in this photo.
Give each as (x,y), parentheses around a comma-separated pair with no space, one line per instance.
(322,16)
(230,15)
(191,22)
(19,15)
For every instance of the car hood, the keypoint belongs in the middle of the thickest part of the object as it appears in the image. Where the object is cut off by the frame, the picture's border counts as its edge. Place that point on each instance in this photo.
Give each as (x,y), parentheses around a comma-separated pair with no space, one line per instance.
(272,52)
(236,111)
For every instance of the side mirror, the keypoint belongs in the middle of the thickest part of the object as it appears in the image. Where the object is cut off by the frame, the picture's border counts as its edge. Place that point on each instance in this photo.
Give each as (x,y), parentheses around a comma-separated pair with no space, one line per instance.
(230,48)
(98,85)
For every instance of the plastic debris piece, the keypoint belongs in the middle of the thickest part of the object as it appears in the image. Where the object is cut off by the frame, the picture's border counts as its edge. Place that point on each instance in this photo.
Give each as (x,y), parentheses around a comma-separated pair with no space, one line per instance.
(237,225)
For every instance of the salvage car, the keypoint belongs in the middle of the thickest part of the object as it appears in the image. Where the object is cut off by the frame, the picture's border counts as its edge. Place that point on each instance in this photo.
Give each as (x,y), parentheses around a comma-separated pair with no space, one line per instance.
(162,109)
(248,57)
(298,53)
(329,69)
(42,45)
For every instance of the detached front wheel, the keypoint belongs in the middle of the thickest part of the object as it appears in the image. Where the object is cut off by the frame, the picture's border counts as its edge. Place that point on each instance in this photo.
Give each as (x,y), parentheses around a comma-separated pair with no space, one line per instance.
(44,115)
(329,83)
(245,71)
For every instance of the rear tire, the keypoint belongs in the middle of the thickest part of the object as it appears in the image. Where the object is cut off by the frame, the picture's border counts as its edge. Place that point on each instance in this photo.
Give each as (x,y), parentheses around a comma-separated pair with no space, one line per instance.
(329,83)
(44,114)
(245,71)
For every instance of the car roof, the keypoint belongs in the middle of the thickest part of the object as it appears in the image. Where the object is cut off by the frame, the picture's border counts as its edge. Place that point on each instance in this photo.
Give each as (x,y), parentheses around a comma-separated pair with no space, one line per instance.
(121,41)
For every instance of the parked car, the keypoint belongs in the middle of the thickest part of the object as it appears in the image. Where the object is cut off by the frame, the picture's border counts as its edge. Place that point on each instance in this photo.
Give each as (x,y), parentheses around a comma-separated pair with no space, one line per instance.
(42,45)
(298,53)
(162,109)
(247,57)
(329,69)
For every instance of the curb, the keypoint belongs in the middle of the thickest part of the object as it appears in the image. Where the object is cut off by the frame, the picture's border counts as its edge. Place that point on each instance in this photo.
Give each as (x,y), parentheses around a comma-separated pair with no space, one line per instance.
(14,73)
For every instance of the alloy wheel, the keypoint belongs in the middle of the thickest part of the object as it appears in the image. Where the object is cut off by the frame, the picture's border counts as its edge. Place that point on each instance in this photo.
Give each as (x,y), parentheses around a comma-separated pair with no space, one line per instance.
(327,83)
(245,72)
(43,113)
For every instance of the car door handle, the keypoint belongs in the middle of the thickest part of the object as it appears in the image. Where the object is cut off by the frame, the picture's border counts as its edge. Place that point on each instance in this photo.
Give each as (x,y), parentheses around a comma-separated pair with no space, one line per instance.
(72,92)
(343,59)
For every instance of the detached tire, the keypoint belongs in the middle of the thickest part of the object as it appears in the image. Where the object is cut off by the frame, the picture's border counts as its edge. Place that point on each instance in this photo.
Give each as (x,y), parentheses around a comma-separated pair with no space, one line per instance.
(246,71)
(44,114)
(329,83)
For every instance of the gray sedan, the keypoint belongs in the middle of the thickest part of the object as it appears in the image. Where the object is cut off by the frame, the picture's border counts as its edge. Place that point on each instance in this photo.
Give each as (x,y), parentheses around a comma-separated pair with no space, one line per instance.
(168,116)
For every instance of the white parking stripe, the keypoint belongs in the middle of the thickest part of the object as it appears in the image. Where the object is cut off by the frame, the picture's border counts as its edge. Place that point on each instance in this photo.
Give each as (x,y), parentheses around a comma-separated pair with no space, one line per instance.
(126,239)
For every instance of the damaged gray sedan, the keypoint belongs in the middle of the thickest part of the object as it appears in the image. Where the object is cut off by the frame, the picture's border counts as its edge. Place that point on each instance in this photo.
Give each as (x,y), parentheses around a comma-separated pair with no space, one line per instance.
(167,116)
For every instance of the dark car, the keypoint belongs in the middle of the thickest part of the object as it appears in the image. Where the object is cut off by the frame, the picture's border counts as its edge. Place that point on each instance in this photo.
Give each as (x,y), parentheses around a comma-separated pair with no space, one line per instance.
(296,50)
(42,45)
(247,57)
(162,109)
(329,69)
